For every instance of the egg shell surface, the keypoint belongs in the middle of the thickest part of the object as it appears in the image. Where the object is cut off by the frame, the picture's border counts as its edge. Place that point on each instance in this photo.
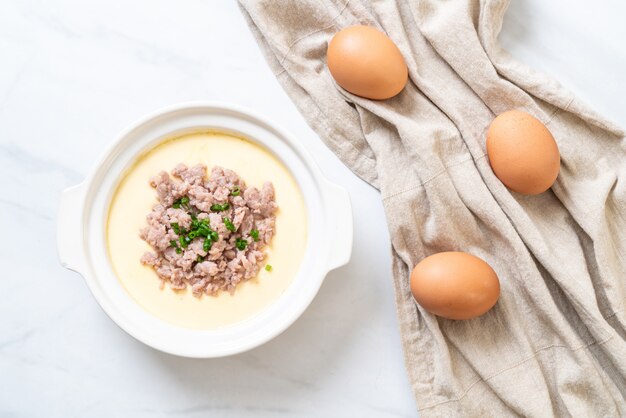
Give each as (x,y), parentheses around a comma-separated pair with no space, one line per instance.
(365,62)
(522,152)
(455,285)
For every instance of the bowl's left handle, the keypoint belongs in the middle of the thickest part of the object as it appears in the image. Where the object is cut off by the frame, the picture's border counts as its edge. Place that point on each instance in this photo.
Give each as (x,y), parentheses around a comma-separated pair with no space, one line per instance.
(70,239)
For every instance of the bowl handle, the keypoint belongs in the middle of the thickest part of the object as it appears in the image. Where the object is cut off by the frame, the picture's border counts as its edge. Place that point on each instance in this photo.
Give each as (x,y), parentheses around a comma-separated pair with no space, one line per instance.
(70,229)
(339,213)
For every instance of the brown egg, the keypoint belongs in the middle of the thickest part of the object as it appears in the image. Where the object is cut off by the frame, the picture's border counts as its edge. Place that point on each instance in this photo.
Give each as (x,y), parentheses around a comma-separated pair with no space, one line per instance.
(522,152)
(364,61)
(455,285)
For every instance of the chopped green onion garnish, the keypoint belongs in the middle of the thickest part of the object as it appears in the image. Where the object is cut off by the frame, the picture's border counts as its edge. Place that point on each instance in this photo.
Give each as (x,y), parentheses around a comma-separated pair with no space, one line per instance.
(268,267)
(199,259)
(183,240)
(176,228)
(214,236)
(178,250)
(206,246)
(229,224)
(193,234)
(183,201)
(236,191)
(255,234)
(220,208)
(204,230)
(241,244)
(173,243)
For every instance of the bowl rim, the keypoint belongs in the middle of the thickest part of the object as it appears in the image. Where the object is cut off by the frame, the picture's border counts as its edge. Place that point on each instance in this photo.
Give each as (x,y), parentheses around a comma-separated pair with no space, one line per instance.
(76,238)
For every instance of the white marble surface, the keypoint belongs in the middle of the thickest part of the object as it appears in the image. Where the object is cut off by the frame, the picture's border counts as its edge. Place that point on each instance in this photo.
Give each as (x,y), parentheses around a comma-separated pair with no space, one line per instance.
(72,74)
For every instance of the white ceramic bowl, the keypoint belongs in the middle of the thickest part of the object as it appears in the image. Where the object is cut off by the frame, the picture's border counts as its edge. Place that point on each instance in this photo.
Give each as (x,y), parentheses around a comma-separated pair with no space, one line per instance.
(84,208)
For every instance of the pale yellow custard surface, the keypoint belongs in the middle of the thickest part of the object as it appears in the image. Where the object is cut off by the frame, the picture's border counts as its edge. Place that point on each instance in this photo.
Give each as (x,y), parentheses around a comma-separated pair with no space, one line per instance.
(134,199)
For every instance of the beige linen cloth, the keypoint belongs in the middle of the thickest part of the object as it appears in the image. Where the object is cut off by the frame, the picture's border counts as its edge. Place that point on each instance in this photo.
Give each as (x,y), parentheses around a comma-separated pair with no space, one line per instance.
(555,344)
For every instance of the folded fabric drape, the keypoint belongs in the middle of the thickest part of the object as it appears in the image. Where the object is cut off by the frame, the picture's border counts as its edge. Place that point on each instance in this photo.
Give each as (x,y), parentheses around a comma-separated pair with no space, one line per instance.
(555,343)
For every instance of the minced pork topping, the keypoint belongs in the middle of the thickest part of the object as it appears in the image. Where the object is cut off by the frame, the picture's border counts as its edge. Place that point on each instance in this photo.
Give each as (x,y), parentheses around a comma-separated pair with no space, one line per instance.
(208,233)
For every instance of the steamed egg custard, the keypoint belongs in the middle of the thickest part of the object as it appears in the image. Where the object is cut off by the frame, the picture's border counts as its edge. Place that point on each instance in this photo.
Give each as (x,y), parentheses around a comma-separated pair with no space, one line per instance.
(135,198)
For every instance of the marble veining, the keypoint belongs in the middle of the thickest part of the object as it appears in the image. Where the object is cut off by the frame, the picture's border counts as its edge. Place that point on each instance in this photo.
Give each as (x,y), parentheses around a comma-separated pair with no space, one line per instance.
(72,75)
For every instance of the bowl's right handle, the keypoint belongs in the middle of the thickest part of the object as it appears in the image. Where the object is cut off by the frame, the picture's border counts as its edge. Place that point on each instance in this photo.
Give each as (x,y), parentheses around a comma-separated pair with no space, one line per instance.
(70,238)
(339,213)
